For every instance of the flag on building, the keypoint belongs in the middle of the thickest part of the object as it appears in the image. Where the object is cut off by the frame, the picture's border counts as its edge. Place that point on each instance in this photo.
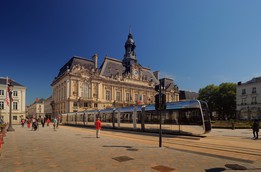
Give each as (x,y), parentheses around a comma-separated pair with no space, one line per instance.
(7,99)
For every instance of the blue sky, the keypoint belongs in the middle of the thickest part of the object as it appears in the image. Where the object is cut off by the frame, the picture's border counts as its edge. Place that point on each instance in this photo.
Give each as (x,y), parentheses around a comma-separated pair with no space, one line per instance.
(196,43)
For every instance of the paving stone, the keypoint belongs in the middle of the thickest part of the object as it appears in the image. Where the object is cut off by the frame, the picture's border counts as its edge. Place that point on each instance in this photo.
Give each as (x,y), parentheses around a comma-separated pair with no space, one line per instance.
(77,149)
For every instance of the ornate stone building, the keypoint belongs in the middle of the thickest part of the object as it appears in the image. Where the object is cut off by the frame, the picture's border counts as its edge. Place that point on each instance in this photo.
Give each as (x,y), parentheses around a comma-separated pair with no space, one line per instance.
(249,99)
(81,85)
(36,109)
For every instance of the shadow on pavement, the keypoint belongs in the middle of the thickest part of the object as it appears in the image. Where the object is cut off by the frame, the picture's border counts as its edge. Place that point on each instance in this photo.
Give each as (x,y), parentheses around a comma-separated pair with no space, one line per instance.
(215,170)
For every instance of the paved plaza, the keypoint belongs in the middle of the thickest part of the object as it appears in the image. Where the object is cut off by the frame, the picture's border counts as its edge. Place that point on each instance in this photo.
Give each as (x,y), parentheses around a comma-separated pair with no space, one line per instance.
(77,149)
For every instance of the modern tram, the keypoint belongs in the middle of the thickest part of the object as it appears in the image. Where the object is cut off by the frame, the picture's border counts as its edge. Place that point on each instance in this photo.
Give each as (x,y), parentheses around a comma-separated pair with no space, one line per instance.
(188,117)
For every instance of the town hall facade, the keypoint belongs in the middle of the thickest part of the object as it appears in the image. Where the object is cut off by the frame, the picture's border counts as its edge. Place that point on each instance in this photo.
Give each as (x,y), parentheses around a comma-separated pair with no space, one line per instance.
(81,84)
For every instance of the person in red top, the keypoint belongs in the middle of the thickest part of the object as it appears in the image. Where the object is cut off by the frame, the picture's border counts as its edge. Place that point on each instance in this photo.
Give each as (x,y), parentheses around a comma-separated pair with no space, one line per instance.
(28,122)
(48,121)
(98,126)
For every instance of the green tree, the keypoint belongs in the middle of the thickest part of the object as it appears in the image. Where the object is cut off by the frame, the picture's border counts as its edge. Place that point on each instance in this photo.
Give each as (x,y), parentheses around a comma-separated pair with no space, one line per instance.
(221,99)
(226,100)
(209,94)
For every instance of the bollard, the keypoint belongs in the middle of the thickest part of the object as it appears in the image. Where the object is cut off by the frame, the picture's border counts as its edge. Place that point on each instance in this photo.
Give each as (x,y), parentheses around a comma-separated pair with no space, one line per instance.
(233,125)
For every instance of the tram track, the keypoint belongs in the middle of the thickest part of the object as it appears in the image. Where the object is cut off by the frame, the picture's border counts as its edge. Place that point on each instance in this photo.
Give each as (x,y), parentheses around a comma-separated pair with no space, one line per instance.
(226,147)
(221,148)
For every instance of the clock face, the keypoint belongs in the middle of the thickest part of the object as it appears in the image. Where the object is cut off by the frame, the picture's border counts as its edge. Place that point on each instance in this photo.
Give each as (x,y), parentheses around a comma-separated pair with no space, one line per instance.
(136,72)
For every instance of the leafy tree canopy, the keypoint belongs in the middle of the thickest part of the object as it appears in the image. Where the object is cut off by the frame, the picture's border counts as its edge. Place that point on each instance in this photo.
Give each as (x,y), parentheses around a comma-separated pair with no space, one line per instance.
(221,99)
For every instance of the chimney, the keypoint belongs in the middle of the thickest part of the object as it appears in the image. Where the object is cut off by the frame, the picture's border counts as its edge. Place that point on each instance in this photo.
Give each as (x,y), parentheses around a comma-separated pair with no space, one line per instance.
(95,59)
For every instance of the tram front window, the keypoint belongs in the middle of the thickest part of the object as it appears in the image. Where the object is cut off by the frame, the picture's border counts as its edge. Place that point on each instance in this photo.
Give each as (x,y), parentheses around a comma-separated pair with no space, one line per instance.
(190,117)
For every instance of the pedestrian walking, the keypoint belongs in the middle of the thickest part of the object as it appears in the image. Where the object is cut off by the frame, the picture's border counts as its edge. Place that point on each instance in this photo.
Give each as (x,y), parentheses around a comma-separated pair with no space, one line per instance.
(23,121)
(28,123)
(98,126)
(54,123)
(255,129)
(58,122)
(34,124)
(48,121)
(42,122)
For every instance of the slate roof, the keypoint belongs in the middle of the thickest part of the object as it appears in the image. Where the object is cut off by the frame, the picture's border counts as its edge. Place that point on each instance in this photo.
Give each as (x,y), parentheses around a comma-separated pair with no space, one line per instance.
(89,64)
(254,80)
(3,82)
(111,66)
(187,95)
(169,84)
(148,75)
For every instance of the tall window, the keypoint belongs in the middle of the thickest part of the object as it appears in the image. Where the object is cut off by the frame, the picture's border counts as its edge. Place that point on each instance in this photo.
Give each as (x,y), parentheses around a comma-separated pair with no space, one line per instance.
(2,105)
(15,94)
(39,108)
(85,89)
(127,97)
(243,101)
(144,98)
(15,106)
(243,91)
(118,96)
(108,95)
(136,97)
(253,100)
(2,92)
(254,90)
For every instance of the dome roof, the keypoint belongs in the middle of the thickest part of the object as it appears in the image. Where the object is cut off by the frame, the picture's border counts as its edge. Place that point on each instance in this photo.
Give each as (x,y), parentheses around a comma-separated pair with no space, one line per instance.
(130,39)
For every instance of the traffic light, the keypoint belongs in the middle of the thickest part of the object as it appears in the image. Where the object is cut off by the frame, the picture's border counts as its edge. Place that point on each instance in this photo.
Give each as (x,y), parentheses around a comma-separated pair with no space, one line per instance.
(162,83)
(160,104)
(157,88)
(160,99)
(163,102)
(157,102)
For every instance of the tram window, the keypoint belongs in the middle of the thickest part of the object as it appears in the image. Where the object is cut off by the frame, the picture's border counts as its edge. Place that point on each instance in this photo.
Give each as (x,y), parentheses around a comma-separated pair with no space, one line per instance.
(205,111)
(139,117)
(152,117)
(103,117)
(170,117)
(90,117)
(126,118)
(80,119)
(190,117)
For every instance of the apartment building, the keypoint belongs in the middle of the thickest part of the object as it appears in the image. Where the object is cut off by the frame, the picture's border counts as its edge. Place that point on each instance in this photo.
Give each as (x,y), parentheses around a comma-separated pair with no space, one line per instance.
(249,99)
(18,106)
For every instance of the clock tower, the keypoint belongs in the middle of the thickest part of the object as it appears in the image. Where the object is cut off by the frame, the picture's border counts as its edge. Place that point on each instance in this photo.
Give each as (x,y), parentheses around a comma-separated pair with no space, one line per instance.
(130,56)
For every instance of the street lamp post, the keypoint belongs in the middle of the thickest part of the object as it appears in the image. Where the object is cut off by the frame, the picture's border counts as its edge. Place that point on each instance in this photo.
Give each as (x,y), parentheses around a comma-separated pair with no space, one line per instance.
(10,128)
